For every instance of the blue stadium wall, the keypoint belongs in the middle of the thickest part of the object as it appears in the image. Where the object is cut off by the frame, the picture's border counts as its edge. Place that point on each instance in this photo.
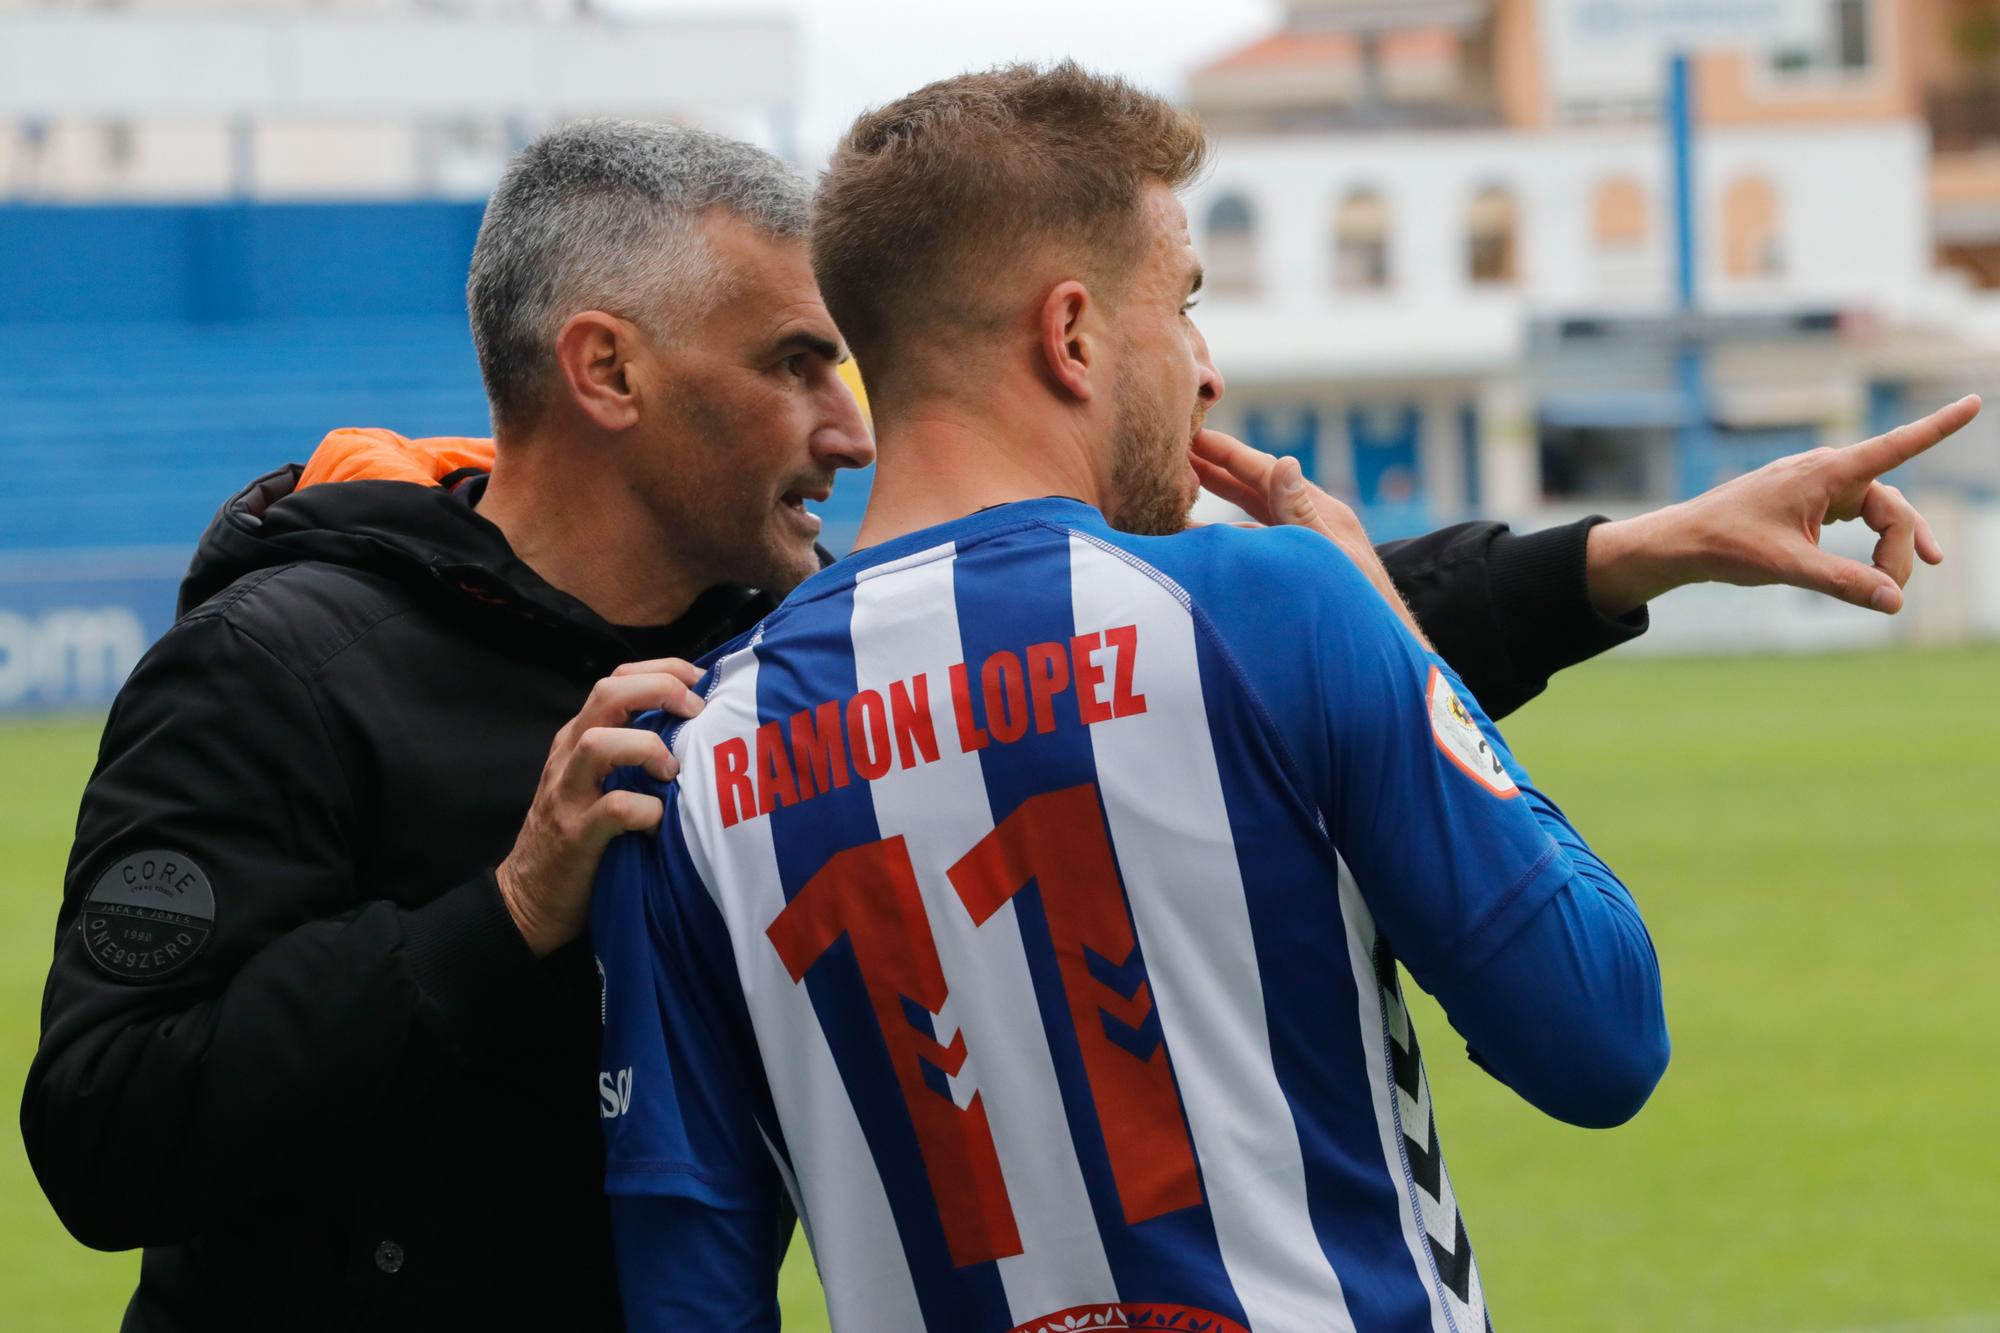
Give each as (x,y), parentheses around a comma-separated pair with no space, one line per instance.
(153,360)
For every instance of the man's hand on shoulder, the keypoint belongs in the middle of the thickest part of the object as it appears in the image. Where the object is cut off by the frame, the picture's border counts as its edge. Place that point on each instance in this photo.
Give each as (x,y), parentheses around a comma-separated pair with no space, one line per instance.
(546,879)
(1764,527)
(1274,492)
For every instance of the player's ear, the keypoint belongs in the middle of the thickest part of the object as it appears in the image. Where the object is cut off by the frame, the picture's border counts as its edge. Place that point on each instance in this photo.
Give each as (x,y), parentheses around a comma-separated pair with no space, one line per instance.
(1068,346)
(594,353)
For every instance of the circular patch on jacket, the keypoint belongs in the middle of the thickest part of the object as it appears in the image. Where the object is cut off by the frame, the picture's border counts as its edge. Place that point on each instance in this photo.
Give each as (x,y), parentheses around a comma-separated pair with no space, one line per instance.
(148,915)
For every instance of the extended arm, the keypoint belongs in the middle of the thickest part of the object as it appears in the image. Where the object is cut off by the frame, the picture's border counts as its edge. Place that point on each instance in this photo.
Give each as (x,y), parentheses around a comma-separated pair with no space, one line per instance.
(1508,610)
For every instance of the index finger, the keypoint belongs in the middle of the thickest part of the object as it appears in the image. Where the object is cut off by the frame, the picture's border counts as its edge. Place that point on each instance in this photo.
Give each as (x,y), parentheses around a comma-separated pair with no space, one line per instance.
(1224,484)
(1871,458)
(1247,463)
(615,699)
(686,671)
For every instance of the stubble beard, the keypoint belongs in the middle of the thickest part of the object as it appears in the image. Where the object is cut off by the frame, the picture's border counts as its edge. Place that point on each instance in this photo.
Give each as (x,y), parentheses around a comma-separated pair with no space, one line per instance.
(729,536)
(723,524)
(1149,468)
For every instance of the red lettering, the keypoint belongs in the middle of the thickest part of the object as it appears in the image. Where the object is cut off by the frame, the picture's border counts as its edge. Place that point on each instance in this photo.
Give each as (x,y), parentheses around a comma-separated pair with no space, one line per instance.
(732,779)
(1006,697)
(775,786)
(1058,840)
(868,735)
(870,895)
(1089,676)
(817,753)
(916,733)
(1124,703)
(1048,673)
(970,737)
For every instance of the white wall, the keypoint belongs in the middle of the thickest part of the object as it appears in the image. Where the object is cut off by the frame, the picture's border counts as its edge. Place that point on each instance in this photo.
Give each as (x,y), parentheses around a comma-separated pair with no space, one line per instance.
(1853,219)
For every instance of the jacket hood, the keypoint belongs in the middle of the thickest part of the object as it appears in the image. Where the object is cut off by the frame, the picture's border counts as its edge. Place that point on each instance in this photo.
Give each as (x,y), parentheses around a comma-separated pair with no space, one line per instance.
(362,453)
(386,513)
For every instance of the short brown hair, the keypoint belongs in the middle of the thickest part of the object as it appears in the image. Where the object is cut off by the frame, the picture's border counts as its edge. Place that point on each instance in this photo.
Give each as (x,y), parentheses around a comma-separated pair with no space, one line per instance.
(930,196)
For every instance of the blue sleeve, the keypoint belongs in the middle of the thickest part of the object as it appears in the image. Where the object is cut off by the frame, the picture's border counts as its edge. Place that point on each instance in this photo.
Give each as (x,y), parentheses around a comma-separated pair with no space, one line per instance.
(1482,888)
(1568,1012)
(683,1265)
(679,1086)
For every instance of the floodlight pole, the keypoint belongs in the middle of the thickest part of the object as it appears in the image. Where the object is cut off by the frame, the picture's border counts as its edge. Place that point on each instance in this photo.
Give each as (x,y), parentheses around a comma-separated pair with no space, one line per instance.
(1691,368)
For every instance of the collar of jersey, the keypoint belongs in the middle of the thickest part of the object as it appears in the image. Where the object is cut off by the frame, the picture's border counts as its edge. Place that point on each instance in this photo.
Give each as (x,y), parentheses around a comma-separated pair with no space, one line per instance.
(841,574)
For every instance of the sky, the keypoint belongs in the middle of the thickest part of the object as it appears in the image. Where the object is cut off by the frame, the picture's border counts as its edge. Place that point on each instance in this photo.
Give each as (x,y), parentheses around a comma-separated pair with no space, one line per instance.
(862,53)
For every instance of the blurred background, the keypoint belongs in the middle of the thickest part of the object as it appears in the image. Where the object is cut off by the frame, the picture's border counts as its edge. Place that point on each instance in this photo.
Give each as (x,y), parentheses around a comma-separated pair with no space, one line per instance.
(1520,259)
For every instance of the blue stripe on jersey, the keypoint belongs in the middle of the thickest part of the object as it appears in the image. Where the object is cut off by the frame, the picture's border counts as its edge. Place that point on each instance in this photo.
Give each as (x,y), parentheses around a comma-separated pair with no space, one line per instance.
(700,940)
(1289,876)
(653,917)
(1007,600)
(816,663)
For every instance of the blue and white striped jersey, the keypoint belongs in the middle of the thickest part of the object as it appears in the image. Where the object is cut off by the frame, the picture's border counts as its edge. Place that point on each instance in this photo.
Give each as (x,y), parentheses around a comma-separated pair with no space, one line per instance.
(1027,916)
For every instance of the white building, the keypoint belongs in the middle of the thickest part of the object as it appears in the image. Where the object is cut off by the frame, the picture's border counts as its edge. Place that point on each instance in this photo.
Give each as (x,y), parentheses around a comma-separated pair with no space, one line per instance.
(316,99)
(1443,268)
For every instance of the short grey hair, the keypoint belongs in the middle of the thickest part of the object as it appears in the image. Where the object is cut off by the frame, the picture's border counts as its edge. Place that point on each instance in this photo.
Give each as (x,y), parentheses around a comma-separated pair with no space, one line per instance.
(605,215)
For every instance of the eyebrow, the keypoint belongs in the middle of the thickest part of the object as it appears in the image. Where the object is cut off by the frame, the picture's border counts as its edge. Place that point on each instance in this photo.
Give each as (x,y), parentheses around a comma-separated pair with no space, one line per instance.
(812,342)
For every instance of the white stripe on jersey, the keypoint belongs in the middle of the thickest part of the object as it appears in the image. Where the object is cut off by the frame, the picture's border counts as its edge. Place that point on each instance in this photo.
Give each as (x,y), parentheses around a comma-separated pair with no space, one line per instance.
(904,625)
(857,1246)
(1163,797)
(1360,924)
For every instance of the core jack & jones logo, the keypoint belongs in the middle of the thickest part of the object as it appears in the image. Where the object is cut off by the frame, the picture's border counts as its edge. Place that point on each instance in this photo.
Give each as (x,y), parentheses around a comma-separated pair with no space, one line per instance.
(148,916)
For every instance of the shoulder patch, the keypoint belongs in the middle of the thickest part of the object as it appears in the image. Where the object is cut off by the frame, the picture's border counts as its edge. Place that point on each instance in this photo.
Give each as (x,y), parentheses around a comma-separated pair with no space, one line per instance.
(148,915)
(1462,741)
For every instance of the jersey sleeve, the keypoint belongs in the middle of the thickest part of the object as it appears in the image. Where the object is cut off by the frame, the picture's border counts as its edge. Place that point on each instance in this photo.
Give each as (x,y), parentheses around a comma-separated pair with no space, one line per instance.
(678,1083)
(1448,842)
(683,1265)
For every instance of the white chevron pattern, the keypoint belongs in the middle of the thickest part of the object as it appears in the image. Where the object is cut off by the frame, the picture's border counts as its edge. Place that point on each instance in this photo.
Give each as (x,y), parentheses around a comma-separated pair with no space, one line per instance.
(1457,1272)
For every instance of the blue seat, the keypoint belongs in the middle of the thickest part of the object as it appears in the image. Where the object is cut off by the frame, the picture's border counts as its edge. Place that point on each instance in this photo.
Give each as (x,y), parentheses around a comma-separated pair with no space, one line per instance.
(119,435)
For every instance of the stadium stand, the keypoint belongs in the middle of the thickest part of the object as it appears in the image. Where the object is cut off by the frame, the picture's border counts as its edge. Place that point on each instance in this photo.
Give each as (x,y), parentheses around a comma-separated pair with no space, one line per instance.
(155,359)
(152,360)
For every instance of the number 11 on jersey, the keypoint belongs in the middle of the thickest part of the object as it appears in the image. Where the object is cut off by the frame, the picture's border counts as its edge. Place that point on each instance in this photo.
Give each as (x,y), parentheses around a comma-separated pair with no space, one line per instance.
(1058,842)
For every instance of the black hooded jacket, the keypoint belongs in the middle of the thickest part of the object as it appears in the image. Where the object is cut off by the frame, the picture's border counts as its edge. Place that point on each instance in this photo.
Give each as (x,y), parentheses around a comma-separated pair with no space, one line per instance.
(292,1043)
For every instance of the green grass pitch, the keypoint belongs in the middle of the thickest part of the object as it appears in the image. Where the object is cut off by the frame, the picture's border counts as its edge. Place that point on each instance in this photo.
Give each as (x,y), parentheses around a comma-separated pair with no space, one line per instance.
(1816,844)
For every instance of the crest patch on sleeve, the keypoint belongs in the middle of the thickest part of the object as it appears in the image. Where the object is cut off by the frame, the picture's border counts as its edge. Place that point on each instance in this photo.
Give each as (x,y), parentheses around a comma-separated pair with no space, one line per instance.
(148,915)
(1463,742)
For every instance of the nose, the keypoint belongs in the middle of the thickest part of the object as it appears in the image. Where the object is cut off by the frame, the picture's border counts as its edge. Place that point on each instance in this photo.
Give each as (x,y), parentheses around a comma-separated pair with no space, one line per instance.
(842,437)
(1208,380)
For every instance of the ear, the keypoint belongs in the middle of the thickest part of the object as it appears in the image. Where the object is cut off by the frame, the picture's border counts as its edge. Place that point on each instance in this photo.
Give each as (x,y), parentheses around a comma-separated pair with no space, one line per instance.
(594,355)
(1069,353)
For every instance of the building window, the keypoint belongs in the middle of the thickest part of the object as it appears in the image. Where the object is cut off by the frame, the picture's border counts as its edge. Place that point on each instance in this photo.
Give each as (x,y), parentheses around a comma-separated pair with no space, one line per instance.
(1230,267)
(1850,34)
(1751,247)
(1490,233)
(1361,243)
(1618,215)
(1601,463)
(1846,48)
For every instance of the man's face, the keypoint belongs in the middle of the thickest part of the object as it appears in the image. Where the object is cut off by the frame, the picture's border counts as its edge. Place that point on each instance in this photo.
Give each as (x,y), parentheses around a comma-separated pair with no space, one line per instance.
(1164,383)
(756,419)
